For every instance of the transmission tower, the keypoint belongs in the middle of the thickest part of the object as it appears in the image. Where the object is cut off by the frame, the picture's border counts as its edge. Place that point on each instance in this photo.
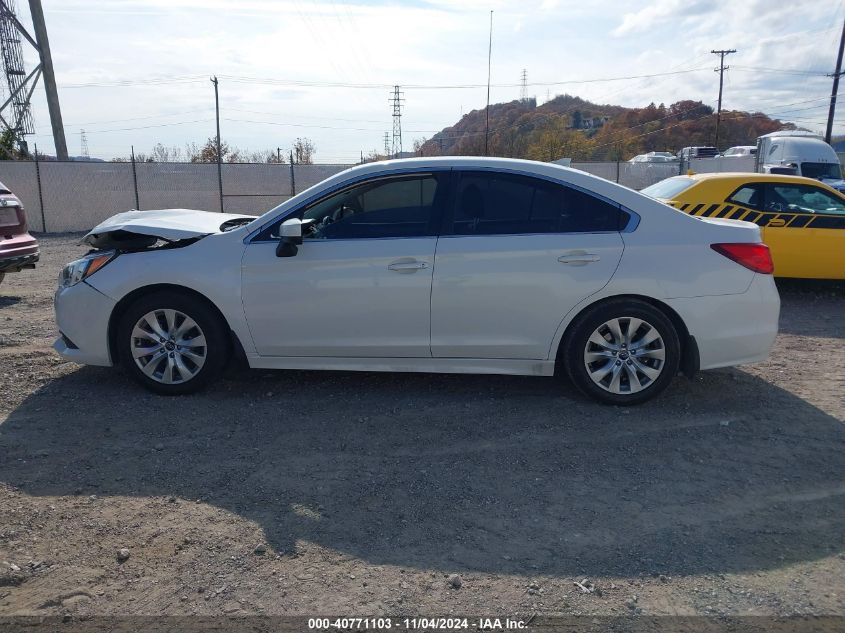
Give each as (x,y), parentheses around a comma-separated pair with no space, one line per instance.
(15,74)
(387,144)
(21,85)
(396,99)
(83,141)
(523,91)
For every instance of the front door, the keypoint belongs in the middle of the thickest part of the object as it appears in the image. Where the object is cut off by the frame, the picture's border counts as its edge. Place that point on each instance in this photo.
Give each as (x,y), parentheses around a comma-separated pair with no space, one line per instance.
(360,284)
(804,226)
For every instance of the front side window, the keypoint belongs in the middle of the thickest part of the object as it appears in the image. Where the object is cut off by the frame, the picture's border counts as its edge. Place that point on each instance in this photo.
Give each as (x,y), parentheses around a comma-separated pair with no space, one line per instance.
(748,196)
(802,199)
(504,204)
(402,206)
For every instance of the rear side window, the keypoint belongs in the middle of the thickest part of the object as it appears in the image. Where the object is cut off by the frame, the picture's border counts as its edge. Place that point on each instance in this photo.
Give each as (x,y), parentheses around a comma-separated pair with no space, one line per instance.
(748,196)
(669,188)
(506,204)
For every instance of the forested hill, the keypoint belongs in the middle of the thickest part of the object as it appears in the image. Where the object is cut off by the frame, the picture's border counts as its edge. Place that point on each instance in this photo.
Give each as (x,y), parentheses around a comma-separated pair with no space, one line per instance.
(570,127)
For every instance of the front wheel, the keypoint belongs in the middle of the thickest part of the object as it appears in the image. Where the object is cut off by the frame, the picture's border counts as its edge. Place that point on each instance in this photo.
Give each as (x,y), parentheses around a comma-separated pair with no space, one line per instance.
(172,343)
(622,352)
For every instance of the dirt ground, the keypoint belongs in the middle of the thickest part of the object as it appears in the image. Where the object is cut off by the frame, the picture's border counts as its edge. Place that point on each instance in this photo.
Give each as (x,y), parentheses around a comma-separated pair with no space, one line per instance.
(354,493)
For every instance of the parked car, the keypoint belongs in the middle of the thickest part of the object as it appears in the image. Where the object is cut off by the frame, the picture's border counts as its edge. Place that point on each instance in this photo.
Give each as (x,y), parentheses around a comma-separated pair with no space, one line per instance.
(697,152)
(18,249)
(654,157)
(802,220)
(456,265)
(740,150)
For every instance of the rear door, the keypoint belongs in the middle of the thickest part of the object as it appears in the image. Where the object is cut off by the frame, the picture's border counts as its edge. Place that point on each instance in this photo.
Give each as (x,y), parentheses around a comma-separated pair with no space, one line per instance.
(516,253)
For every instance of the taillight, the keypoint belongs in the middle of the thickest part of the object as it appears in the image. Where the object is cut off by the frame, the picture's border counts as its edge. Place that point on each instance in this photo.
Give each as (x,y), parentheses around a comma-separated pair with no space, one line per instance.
(756,257)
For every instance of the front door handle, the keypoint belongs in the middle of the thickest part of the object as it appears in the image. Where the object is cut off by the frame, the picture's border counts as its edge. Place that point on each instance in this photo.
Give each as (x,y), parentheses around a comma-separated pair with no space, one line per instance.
(776,222)
(407,266)
(578,259)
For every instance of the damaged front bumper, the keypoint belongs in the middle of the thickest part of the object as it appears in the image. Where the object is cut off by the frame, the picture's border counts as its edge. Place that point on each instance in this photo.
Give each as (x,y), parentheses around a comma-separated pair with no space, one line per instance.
(82,315)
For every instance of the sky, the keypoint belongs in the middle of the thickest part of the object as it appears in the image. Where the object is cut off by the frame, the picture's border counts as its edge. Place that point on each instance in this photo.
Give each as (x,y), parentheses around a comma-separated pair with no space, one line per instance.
(136,72)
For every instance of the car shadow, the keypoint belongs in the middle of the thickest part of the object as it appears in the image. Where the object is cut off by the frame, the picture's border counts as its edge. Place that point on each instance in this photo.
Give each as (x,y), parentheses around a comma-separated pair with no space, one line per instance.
(494,474)
(9,300)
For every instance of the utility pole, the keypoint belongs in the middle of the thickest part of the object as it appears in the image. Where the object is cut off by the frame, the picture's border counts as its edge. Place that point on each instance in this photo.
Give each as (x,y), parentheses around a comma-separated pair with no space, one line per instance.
(292,177)
(487,109)
(43,45)
(219,156)
(721,70)
(278,154)
(833,92)
(396,99)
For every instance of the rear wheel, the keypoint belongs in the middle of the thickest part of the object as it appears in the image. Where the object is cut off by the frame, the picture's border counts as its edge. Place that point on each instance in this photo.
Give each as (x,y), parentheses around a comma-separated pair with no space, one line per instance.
(622,352)
(171,343)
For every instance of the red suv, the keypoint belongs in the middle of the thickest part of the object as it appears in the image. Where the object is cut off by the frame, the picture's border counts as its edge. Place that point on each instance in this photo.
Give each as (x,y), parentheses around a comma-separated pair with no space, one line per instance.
(18,249)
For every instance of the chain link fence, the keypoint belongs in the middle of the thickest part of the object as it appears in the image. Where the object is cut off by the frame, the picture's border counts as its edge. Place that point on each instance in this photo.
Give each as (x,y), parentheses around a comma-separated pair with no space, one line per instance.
(76,195)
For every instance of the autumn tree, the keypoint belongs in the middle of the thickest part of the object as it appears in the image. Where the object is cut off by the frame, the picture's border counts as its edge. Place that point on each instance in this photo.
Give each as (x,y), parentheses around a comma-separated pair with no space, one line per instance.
(303,151)
(208,152)
(163,154)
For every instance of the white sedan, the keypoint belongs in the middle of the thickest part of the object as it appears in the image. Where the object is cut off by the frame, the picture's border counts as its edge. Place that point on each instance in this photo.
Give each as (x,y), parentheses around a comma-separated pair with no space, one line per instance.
(458,265)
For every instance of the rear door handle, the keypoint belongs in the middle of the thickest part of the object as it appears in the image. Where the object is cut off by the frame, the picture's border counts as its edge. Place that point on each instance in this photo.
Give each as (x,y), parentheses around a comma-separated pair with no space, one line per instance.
(578,259)
(407,266)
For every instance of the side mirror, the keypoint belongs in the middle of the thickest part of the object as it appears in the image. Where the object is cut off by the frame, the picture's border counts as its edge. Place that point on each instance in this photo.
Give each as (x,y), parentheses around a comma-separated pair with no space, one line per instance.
(292,230)
(286,249)
(291,235)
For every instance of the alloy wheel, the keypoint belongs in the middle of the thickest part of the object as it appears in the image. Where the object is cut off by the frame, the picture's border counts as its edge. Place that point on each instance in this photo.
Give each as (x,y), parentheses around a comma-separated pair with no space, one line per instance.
(168,346)
(625,355)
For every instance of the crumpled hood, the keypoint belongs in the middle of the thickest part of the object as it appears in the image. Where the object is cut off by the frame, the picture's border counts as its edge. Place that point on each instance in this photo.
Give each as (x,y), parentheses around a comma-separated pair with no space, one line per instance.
(166,224)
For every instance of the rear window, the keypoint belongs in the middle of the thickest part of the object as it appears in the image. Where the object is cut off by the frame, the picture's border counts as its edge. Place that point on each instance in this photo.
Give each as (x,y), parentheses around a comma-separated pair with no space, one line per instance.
(669,188)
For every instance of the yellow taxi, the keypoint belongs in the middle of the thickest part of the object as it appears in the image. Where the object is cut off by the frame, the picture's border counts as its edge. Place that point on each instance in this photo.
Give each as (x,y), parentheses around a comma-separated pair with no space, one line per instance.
(802,220)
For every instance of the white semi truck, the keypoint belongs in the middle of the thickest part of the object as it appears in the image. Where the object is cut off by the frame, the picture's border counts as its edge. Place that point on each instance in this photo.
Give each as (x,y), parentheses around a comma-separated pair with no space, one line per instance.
(800,153)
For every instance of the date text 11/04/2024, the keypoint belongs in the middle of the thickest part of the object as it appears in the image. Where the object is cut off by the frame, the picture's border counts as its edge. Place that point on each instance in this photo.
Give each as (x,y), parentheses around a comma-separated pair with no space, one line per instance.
(444,624)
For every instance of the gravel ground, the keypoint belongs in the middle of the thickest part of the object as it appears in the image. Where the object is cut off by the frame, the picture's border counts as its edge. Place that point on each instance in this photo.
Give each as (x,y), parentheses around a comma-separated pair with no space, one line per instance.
(355,493)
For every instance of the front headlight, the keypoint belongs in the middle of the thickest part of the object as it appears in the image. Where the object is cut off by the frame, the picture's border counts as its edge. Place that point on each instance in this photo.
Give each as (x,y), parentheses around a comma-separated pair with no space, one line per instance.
(83,268)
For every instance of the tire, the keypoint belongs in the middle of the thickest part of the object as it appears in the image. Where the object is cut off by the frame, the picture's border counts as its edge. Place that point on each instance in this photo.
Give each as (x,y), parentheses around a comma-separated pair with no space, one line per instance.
(187,340)
(639,364)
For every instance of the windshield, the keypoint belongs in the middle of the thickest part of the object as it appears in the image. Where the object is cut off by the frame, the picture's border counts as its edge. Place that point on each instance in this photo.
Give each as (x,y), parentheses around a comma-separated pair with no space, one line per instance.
(821,170)
(669,188)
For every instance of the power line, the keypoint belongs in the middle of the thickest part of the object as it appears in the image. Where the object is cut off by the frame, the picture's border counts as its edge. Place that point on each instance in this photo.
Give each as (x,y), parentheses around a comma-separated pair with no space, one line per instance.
(152,81)
(783,71)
